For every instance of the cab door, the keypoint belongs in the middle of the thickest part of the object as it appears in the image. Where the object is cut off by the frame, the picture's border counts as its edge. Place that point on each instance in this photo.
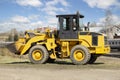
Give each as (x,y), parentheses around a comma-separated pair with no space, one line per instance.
(66,28)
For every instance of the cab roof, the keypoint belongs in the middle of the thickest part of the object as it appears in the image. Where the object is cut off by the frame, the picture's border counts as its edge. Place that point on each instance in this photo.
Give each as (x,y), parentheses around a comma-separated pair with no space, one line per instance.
(69,15)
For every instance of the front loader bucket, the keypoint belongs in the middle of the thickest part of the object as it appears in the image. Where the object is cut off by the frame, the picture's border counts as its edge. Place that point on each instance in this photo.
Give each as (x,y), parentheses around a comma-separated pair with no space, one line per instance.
(12,48)
(16,47)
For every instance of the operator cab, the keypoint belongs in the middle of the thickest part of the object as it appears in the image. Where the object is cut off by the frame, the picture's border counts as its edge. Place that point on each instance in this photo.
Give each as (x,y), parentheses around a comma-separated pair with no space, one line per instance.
(69,26)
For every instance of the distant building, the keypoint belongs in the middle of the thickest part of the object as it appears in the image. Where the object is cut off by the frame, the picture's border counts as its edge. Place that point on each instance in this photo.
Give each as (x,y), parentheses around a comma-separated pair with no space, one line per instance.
(112,31)
(42,29)
(3,38)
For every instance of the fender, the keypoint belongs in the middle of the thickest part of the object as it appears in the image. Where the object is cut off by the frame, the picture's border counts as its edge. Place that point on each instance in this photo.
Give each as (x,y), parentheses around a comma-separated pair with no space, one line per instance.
(32,40)
(85,43)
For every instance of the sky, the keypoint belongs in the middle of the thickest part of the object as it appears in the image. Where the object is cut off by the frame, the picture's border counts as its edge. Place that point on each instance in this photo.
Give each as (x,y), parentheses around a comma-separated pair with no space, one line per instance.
(31,14)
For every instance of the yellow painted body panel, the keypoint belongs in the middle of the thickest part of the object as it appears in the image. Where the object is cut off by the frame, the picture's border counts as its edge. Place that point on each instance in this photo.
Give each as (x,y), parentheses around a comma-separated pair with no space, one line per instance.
(53,56)
(20,44)
(101,48)
(32,40)
(65,49)
(50,43)
(85,40)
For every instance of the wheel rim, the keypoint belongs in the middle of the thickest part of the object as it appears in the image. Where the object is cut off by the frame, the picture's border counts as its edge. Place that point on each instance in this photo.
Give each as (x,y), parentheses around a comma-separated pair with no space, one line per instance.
(78,55)
(37,55)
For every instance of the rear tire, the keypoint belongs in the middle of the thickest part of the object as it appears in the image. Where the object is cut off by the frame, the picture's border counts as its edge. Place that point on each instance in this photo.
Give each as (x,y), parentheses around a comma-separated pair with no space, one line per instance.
(92,59)
(50,60)
(118,49)
(38,54)
(80,55)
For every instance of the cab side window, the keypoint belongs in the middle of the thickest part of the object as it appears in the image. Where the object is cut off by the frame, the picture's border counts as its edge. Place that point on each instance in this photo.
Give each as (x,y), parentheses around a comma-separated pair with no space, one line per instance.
(66,24)
(74,24)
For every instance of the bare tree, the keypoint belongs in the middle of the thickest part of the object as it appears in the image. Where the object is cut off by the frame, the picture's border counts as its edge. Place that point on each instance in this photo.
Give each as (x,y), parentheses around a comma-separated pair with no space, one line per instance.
(93,24)
(108,23)
(109,18)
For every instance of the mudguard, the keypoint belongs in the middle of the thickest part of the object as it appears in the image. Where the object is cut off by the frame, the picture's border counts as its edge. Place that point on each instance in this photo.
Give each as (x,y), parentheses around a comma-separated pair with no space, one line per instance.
(32,40)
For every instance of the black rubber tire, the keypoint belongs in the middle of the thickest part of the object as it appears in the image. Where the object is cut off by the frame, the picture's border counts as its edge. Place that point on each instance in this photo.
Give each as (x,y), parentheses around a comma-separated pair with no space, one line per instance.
(92,59)
(44,53)
(118,49)
(50,60)
(86,54)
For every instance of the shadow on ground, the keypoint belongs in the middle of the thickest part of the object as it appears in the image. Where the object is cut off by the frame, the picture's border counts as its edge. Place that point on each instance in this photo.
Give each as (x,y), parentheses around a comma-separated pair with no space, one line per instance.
(113,54)
(70,63)
(56,62)
(24,62)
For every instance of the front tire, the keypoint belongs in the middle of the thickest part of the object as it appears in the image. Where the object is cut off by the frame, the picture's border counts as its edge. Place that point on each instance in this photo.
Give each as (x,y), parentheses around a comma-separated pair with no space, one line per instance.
(80,55)
(38,54)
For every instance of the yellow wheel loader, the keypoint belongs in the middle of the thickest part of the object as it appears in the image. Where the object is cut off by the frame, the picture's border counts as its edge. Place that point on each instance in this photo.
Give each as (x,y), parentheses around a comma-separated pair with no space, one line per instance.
(69,42)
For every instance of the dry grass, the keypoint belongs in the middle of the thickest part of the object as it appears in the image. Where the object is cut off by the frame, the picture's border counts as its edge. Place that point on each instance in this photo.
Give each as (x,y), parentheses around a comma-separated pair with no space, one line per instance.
(5,52)
(10,59)
(7,57)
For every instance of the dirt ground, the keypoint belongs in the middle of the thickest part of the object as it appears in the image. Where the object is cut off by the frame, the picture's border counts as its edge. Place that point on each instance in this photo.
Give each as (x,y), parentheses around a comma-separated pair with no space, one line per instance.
(105,68)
